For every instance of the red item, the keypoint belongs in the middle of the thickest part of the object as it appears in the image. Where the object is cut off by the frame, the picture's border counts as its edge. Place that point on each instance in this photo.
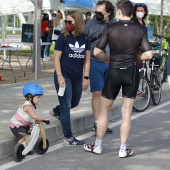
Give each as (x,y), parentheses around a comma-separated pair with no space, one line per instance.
(0,78)
(44,25)
(6,46)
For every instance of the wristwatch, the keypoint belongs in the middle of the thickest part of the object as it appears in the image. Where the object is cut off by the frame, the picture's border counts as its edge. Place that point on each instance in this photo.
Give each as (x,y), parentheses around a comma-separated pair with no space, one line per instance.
(86,77)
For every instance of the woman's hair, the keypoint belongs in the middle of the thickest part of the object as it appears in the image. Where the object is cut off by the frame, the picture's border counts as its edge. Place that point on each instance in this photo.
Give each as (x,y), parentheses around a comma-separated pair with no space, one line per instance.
(45,15)
(109,8)
(59,16)
(140,5)
(79,23)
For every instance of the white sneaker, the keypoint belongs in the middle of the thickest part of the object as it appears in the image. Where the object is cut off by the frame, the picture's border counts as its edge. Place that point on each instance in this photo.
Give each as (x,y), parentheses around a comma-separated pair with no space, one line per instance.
(44,59)
(48,57)
(125,153)
(92,148)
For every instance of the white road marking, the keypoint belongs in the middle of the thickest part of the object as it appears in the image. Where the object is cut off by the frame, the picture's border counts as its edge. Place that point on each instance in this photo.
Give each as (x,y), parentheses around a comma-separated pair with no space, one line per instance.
(59,146)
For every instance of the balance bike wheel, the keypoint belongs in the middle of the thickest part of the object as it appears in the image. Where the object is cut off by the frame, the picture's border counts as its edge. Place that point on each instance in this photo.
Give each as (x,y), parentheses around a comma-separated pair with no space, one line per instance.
(39,147)
(17,152)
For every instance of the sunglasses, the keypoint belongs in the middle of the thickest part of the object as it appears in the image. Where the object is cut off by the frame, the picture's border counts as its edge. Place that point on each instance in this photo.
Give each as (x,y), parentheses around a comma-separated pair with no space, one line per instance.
(140,4)
(68,21)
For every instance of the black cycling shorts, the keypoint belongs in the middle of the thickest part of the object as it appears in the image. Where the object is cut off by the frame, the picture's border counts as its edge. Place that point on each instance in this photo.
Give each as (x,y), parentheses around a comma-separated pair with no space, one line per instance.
(127,78)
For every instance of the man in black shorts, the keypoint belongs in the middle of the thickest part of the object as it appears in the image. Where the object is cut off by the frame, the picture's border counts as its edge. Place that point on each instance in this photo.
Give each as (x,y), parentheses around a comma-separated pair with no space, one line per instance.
(124,38)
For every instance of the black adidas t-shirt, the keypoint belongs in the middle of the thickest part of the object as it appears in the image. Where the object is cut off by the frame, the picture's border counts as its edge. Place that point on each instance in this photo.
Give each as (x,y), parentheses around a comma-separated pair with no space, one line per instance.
(73,53)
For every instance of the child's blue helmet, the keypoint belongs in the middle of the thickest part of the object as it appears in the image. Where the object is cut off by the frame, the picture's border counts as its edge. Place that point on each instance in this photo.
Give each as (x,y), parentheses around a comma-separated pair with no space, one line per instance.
(32,89)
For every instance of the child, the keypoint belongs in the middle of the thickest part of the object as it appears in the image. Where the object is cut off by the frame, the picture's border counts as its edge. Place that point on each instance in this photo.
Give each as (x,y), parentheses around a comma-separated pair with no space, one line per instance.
(23,118)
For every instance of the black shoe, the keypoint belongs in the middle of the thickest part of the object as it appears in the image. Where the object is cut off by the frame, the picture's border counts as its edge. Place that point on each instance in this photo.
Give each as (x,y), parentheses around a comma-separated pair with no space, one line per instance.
(52,113)
(108,131)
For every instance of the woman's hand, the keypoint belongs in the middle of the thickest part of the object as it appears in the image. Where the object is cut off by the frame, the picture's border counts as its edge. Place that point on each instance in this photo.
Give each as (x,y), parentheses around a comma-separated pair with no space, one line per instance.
(61,81)
(85,84)
(47,29)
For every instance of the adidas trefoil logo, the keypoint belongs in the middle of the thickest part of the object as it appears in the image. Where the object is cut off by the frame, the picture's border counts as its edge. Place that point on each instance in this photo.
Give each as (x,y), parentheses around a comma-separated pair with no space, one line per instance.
(76,48)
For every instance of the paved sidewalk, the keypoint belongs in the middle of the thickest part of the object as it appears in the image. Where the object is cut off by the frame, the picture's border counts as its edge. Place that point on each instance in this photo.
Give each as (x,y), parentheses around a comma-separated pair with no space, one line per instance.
(81,117)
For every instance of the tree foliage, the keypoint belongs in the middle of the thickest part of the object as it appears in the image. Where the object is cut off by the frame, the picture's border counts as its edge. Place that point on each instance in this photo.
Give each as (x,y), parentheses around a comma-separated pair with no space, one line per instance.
(154,21)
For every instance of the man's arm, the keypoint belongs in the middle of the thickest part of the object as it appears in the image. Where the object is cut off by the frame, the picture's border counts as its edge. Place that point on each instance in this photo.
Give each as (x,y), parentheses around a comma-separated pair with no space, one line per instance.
(146,55)
(100,54)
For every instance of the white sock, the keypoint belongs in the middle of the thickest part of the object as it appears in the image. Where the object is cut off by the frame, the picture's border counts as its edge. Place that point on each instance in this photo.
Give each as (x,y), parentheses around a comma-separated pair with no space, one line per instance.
(95,121)
(98,142)
(123,146)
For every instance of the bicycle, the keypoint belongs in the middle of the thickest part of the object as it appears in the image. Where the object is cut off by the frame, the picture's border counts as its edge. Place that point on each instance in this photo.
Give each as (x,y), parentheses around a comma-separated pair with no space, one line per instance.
(143,96)
(164,58)
(149,89)
(155,74)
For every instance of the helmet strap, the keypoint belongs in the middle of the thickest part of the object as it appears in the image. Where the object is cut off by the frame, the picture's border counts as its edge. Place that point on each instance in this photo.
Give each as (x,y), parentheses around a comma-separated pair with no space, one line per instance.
(33,103)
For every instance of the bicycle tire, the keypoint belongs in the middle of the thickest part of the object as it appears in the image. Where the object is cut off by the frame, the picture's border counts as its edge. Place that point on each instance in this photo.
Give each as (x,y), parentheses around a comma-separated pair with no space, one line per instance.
(156,90)
(143,96)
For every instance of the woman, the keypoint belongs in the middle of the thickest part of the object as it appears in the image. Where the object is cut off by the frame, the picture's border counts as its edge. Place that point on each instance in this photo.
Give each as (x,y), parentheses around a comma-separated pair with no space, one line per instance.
(140,12)
(58,26)
(71,56)
(44,33)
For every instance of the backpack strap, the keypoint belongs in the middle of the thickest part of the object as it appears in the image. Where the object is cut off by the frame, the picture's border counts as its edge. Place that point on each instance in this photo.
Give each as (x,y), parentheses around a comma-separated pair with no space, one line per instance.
(95,38)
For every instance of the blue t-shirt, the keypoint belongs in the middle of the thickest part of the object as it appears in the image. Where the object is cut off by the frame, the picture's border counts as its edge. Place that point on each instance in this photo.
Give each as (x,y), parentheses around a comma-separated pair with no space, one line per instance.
(73,54)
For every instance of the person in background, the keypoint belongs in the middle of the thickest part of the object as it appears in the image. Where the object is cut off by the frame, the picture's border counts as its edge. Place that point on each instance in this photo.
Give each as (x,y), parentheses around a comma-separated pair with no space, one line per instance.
(140,12)
(49,38)
(58,26)
(44,33)
(72,65)
(88,17)
(124,37)
(23,118)
(98,67)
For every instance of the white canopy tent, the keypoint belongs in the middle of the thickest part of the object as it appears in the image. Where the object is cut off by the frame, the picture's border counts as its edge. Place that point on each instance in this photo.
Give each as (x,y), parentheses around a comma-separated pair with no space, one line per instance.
(9,7)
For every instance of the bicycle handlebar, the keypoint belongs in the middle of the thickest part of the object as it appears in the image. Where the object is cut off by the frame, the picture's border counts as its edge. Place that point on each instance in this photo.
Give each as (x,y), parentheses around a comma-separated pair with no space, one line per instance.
(160,37)
(46,121)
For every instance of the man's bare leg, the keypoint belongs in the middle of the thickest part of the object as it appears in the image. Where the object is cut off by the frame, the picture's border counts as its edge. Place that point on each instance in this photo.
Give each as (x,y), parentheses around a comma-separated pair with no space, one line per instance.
(127,105)
(103,117)
(125,127)
(95,103)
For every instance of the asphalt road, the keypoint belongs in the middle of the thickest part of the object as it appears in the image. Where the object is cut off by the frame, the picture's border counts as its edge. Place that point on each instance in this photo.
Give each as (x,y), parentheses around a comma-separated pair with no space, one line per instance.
(149,139)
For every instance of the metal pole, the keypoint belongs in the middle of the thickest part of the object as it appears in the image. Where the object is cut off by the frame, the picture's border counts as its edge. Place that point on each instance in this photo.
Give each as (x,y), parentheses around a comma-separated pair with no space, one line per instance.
(35,36)
(36,42)
(3,30)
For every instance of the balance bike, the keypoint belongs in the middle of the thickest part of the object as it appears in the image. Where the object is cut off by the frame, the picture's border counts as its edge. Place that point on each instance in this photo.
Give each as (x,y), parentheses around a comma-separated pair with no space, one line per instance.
(32,140)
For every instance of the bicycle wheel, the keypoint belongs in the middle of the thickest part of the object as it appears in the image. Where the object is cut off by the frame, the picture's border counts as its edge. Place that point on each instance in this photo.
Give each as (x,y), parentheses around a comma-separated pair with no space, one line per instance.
(156,90)
(143,96)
